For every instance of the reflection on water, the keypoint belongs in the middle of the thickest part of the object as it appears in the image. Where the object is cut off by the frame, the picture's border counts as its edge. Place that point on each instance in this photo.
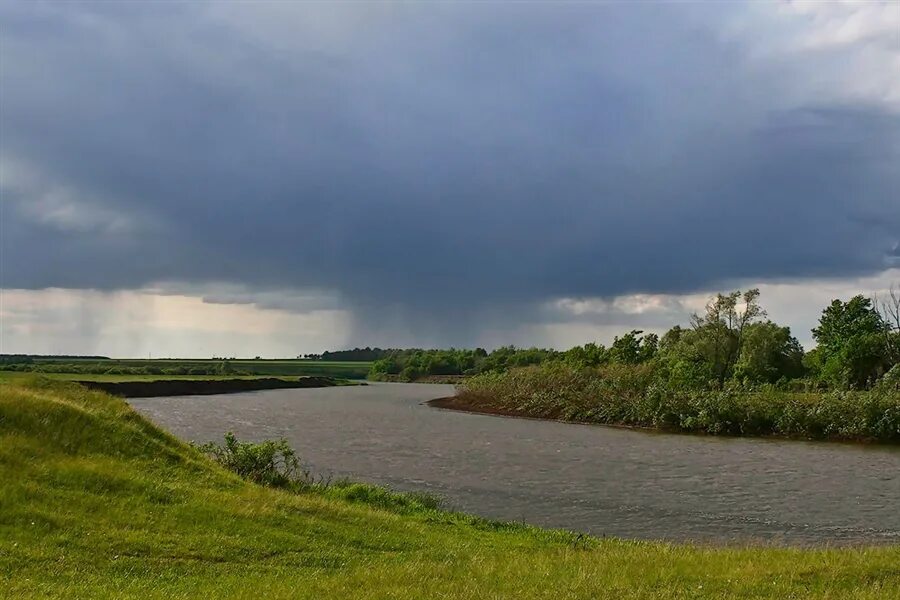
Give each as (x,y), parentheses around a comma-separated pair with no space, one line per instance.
(600,480)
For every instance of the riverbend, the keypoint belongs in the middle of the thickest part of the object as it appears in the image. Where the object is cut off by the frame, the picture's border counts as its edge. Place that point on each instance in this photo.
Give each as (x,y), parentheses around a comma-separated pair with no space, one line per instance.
(595,479)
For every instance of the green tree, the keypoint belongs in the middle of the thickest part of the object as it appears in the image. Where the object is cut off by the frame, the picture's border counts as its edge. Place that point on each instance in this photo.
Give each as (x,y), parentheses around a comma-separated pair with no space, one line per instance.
(889,309)
(671,339)
(853,342)
(841,321)
(633,347)
(718,334)
(769,353)
(589,355)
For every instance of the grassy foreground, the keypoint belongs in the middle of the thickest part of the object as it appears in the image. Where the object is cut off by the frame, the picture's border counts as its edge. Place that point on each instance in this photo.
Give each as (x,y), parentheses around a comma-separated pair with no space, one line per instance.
(97,502)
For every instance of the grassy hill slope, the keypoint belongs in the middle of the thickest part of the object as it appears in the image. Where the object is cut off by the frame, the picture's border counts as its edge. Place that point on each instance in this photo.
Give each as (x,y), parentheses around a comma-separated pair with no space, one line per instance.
(97,502)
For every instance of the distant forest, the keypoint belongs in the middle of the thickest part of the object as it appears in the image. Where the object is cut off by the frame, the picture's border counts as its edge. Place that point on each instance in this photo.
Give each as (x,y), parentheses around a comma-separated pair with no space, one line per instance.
(357,354)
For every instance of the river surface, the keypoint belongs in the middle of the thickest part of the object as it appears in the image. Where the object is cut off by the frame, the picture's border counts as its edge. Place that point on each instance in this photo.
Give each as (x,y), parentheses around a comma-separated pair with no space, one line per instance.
(600,480)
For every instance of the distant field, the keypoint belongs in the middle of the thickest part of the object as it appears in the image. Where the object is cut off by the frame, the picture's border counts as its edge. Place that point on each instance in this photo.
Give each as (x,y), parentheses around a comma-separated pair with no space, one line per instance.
(257,368)
(12,376)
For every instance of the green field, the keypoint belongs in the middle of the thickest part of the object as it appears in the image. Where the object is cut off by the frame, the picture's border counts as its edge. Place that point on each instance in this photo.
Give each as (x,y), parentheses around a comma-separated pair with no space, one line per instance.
(12,376)
(262,367)
(96,502)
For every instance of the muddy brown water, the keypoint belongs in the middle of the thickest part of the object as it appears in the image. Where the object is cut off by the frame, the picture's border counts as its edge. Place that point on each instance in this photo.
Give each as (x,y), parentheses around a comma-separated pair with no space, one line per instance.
(594,479)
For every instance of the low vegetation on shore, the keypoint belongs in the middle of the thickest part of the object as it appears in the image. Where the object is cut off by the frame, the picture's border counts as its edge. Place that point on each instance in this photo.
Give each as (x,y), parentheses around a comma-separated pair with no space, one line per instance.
(732,372)
(97,502)
(636,395)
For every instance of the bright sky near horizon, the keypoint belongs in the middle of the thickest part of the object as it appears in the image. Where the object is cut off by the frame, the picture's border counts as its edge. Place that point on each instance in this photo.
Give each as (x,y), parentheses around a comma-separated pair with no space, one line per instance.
(273,178)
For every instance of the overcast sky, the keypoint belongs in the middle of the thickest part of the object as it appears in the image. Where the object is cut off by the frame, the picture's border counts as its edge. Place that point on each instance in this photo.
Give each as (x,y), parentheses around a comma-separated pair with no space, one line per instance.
(279,178)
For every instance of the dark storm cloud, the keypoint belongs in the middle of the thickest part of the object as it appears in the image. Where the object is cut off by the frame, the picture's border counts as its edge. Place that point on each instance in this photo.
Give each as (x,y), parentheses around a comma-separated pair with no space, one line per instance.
(432,161)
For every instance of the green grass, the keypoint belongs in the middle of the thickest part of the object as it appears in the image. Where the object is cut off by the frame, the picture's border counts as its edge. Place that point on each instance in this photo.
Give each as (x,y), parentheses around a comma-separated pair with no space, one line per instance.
(268,368)
(12,376)
(21,376)
(96,502)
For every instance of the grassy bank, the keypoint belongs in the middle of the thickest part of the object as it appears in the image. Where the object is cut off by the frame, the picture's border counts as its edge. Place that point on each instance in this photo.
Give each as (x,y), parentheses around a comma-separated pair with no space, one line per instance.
(632,395)
(96,502)
(19,376)
(194,368)
(12,377)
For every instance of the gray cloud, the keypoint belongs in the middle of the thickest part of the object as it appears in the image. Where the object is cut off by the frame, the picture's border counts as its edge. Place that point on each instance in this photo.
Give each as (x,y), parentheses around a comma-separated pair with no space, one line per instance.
(438,166)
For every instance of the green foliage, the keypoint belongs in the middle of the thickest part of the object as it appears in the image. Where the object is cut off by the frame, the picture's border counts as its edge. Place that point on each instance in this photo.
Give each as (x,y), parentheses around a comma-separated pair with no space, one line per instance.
(409,365)
(841,321)
(854,343)
(114,368)
(731,341)
(718,349)
(639,395)
(891,380)
(380,497)
(718,336)
(185,367)
(412,364)
(633,348)
(366,354)
(732,372)
(769,353)
(589,355)
(272,462)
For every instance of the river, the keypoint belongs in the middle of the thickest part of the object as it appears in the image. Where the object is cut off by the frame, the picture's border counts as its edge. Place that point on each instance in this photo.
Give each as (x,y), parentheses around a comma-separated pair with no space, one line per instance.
(594,479)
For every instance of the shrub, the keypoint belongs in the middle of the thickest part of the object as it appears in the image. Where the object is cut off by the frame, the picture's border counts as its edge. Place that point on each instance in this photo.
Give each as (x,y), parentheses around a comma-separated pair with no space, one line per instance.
(272,462)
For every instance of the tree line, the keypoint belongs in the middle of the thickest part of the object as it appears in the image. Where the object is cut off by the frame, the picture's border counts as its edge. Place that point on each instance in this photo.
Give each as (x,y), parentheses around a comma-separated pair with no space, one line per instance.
(731,341)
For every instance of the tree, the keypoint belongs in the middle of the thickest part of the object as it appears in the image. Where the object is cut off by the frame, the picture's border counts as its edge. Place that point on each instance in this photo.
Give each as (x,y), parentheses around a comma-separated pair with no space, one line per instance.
(719,333)
(853,341)
(769,353)
(706,354)
(889,310)
(681,353)
(633,347)
(671,339)
(589,355)
(841,321)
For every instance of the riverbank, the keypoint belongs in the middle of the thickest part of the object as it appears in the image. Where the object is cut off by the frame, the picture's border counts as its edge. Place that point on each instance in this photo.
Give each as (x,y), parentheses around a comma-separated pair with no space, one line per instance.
(630,396)
(172,368)
(95,501)
(197,387)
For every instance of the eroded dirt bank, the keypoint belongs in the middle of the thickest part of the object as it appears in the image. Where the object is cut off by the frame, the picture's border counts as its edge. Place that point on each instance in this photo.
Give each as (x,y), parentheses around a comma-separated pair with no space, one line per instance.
(464,404)
(194,387)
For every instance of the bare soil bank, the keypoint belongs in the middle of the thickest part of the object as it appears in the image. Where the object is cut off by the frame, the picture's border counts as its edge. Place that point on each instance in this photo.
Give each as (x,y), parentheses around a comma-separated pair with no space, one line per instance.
(464,404)
(195,387)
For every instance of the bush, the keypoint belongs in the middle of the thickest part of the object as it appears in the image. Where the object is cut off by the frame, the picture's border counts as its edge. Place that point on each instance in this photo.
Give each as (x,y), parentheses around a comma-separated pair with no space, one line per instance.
(272,462)
(275,464)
